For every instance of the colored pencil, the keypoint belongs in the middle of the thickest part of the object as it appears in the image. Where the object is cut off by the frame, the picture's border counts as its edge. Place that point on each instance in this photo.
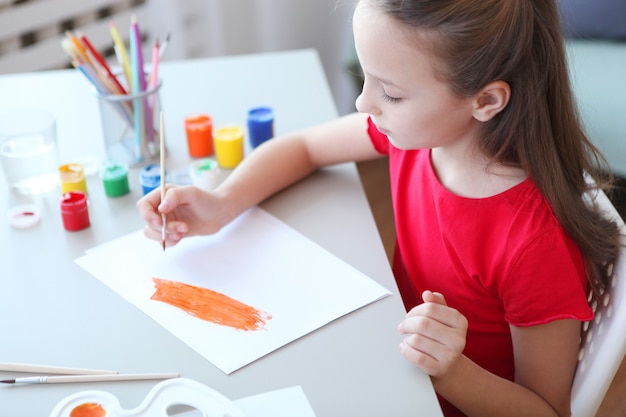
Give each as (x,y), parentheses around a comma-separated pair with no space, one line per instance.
(103,64)
(136,34)
(78,47)
(148,128)
(164,45)
(122,55)
(154,73)
(136,62)
(93,79)
(140,109)
(162,143)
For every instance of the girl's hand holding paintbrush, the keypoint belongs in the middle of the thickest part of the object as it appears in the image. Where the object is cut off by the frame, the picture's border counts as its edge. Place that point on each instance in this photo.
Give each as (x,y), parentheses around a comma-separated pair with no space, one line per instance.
(190,211)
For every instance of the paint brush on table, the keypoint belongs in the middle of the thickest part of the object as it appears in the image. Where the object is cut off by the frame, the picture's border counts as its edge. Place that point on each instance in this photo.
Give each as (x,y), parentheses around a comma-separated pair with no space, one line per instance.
(68,379)
(162,151)
(46,369)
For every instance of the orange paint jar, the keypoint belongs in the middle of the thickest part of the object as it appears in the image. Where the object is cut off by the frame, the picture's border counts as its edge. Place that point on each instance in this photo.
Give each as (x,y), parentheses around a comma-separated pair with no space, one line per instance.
(199,131)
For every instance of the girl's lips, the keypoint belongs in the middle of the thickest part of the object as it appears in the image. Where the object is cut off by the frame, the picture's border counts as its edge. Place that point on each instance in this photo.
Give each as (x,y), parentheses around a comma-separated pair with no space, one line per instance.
(380,129)
(383,131)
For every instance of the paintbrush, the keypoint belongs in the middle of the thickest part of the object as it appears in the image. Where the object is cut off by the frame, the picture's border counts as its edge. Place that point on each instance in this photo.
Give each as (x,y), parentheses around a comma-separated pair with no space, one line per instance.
(162,150)
(67,379)
(36,368)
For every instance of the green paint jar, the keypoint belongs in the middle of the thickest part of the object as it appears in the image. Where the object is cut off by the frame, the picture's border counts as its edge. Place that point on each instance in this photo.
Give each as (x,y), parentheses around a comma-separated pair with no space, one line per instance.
(115,179)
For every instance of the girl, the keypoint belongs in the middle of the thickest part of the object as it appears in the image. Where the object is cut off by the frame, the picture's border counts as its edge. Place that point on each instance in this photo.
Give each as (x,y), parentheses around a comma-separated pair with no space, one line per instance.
(496,249)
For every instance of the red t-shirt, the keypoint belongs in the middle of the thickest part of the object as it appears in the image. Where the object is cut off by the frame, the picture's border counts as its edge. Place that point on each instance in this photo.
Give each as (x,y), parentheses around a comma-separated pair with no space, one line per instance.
(500,261)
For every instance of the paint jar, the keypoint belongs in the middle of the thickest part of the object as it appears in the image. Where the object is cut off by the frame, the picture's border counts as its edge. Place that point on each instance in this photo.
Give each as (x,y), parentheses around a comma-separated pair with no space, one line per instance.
(150,177)
(228,146)
(130,125)
(260,125)
(199,130)
(204,174)
(72,177)
(73,206)
(114,179)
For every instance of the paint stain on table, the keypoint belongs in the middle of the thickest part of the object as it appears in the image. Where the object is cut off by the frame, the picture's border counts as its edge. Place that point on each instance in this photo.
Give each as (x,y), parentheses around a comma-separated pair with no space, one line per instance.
(209,305)
(88,410)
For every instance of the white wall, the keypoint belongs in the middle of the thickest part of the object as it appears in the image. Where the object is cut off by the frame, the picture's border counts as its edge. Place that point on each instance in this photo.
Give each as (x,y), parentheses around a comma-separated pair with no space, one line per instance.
(227,27)
(199,28)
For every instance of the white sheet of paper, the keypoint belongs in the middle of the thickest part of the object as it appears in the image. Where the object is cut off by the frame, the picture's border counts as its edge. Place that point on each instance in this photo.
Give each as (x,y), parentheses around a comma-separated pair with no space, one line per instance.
(257,260)
(286,402)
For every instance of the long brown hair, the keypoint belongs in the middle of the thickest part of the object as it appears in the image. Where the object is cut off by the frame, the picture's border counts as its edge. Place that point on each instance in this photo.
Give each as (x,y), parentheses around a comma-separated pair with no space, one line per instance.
(519,41)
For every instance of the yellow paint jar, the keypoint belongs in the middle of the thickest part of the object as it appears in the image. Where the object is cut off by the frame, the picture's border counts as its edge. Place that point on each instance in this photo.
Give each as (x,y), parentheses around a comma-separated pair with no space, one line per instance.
(72,178)
(228,143)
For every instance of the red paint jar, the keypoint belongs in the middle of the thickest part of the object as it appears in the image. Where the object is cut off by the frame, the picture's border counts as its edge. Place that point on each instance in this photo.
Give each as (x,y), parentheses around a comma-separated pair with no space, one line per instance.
(74,211)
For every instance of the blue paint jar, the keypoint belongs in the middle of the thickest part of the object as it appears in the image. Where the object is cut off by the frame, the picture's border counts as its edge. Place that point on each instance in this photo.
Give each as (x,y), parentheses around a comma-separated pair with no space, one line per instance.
(260,125)
(150,177)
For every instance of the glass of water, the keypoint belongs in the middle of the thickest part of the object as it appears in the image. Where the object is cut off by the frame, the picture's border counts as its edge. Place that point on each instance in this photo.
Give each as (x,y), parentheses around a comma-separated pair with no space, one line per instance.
(28,150)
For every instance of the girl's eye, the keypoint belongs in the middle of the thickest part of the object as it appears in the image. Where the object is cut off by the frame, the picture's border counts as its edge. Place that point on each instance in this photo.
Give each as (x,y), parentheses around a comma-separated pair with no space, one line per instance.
(390,99)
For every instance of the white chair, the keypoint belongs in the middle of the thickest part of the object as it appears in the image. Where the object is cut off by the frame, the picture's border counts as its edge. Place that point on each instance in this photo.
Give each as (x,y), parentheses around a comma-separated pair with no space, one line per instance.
(603,344)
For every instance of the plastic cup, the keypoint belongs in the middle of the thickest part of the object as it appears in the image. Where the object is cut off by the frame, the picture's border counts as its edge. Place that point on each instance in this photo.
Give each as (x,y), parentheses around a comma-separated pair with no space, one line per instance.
(28,150)
(130,126)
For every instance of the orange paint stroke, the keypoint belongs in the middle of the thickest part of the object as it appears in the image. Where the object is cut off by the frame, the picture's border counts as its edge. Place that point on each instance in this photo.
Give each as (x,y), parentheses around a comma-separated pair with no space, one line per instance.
(209,305)
(88,410)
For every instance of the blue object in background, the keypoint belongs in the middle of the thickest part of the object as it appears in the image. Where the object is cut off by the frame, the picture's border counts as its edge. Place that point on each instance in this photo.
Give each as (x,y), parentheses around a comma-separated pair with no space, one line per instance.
(260,125)
(150,177)
(593,19)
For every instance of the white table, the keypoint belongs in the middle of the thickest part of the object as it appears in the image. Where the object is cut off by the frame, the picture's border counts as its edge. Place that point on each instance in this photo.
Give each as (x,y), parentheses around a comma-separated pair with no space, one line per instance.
(53,312)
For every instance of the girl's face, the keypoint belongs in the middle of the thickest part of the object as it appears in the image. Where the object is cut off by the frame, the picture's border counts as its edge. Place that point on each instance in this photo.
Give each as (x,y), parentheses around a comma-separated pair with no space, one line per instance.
(401,91)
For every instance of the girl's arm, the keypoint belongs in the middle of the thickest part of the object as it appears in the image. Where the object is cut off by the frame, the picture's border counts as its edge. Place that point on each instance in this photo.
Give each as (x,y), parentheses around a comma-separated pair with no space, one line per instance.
(283,161)
(545,361)
(270,168)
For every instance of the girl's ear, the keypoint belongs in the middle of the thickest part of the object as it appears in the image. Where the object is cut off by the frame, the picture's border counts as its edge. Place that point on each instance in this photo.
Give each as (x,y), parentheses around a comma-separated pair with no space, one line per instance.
(491,100)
